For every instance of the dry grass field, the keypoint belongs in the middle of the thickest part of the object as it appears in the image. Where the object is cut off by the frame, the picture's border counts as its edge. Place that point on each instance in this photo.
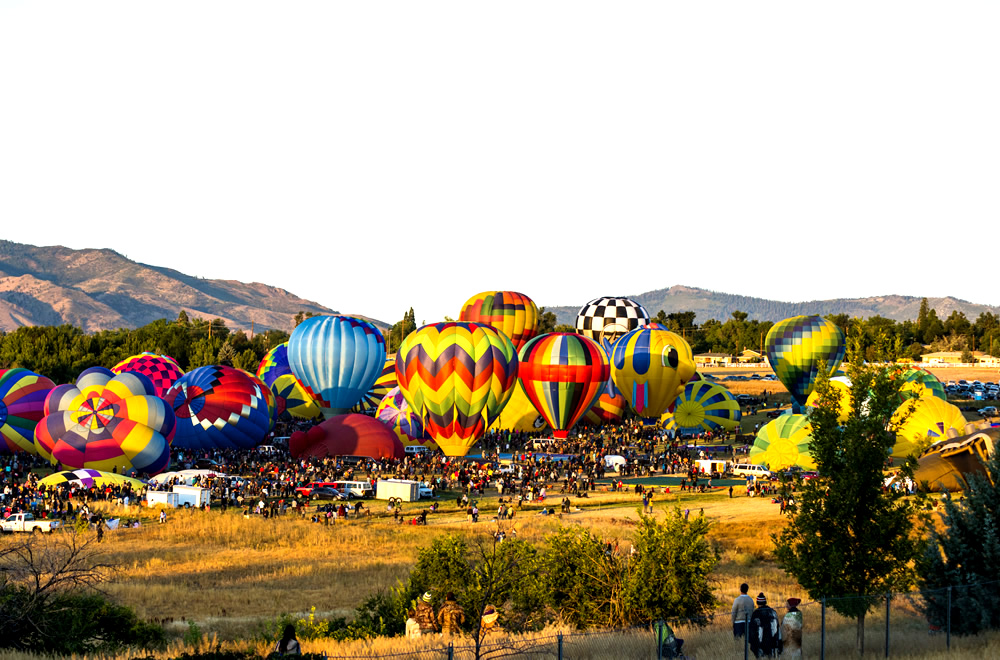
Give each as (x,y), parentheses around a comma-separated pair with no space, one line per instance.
(230,575)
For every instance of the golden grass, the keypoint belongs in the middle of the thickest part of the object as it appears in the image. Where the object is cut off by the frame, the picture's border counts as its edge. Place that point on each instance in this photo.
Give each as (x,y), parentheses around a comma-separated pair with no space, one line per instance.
(230,575)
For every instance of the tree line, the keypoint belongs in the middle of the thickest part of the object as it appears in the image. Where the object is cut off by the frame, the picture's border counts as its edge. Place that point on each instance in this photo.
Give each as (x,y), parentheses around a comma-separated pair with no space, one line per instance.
(61,352)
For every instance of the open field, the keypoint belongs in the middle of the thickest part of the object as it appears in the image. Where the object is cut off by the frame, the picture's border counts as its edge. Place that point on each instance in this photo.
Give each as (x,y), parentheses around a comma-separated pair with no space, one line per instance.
(230,575)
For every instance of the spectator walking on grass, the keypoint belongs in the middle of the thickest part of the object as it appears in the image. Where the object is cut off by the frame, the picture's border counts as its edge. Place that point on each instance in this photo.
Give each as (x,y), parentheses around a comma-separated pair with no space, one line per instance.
(791,631)
(765,635)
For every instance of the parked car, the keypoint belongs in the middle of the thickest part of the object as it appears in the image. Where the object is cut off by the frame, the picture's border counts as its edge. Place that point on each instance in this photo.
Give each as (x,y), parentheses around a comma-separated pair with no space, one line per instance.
(326,493)
(989,411)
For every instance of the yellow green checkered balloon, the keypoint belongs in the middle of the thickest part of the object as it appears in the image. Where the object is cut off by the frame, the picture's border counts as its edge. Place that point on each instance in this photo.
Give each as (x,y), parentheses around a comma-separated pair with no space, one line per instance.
(799,347)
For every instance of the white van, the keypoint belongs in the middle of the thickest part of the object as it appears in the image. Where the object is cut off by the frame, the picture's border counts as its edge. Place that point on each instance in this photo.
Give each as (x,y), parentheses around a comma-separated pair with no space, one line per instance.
(750,470)
(355,488)
(416,449)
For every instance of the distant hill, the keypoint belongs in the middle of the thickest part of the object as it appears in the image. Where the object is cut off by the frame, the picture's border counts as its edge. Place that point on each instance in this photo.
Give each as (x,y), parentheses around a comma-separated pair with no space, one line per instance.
(103,290)
(720,306)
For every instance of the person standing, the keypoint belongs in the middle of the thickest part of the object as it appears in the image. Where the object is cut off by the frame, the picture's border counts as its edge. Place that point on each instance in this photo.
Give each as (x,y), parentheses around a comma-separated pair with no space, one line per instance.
(742,610)
(451,616)
(765,636)
(412,627)
(425,615)
(288,645)
(791,631)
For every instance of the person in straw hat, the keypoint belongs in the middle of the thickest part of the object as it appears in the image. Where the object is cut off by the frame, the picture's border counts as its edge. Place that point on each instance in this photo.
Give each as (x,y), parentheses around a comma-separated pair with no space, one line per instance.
(791,630)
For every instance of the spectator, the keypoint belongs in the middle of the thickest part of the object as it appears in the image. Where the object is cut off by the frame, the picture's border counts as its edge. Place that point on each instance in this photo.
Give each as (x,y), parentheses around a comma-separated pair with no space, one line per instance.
(765,636)
(742,610)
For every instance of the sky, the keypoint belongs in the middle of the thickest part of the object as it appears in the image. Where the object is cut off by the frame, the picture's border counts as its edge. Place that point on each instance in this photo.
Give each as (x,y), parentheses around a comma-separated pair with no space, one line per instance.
(377,156)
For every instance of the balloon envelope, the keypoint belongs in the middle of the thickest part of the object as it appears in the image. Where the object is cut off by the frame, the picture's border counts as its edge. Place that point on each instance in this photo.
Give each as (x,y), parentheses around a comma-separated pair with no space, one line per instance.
(395,413)
(562,375)
(842,386)
(931,420)
(784,442)
(704,406)
(219,407)
(107,422)
(651,368)
(383,385)
(161,370)
(347,435)
(22,405)
(799,347)
(509,312)
(89,478)
(920,384)
(458,377)
(338,358)
(519,415)
(290,394)
(606,319)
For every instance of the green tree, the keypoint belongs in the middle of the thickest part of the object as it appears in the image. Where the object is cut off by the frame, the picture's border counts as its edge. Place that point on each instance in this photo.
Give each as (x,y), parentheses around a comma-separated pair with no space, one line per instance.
(849,539)
(669,576)
(546,321)
(963,558)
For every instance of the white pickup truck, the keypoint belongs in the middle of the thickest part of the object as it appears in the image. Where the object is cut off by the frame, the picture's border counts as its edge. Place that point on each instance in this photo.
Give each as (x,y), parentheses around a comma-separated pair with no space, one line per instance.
(25,522)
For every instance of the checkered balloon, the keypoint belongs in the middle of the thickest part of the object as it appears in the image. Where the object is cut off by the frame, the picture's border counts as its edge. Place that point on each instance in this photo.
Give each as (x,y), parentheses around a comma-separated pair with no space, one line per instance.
(606,319)
(162,370)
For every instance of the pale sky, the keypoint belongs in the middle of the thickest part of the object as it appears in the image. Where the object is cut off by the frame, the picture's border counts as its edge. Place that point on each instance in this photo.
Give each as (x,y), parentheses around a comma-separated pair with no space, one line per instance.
(374,156)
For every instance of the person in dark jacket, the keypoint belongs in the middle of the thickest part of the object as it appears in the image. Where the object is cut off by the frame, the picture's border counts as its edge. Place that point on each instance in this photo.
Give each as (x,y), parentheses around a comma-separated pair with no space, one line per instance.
(765,638)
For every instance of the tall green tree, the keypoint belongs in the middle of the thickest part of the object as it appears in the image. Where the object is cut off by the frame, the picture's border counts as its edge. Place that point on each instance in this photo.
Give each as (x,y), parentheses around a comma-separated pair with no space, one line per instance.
(850,540)
(964,558)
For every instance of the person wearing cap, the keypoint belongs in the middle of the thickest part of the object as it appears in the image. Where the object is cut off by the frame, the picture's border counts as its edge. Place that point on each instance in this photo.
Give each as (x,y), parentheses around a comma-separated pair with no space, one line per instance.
(424,615)
(742,611)
(764,633)
(791,630)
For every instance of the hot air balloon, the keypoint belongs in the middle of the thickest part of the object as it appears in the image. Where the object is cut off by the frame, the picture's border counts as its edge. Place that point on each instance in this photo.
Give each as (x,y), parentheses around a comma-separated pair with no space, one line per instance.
(269,398)
(798,347)
(947,464)
(930,421)
(605,320)
(519,415)
(107,422)
(347,435)
(609,408)
(290,394)
(651,368)
(919,384)
(22,405)
(219,407)
(842,386)
(338,358)
(784,442)
(562,374)
(162,370)
(383,385)
(88,478)
(703,406)
(458,377)
(509,312)
(394,412)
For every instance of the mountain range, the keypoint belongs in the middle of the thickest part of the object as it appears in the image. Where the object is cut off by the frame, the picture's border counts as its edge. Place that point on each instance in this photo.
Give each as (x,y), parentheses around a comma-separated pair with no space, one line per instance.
(720,306)
(100,289)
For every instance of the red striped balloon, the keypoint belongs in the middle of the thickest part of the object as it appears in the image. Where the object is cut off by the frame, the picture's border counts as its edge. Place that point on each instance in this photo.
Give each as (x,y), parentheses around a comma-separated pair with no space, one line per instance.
(562,375)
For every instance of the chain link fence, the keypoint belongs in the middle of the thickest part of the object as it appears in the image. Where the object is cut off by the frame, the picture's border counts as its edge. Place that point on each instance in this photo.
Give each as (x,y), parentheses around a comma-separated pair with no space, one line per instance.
(897,624)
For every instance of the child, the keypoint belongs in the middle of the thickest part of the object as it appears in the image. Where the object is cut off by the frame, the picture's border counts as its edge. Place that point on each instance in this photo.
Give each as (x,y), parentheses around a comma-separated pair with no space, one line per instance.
(412,627)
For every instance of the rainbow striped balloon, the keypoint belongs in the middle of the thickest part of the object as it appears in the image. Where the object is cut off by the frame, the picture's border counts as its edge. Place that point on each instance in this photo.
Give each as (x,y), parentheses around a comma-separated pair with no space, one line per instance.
(509,312)
(563,374)
(457,377)
(22,405)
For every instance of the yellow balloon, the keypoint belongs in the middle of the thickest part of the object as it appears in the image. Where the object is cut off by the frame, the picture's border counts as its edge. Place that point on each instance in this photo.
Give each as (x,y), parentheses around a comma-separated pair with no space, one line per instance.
(932,420)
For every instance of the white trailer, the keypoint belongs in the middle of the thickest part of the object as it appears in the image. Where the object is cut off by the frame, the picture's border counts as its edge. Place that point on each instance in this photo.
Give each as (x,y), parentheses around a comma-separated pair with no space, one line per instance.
(180,496)
(407,491)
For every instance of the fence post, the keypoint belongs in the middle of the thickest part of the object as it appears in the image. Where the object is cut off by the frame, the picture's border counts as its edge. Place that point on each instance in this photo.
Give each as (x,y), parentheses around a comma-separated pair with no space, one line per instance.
(746,639)
(560,645)
(888,598)
(451,651)
(822,628)
(947,635)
